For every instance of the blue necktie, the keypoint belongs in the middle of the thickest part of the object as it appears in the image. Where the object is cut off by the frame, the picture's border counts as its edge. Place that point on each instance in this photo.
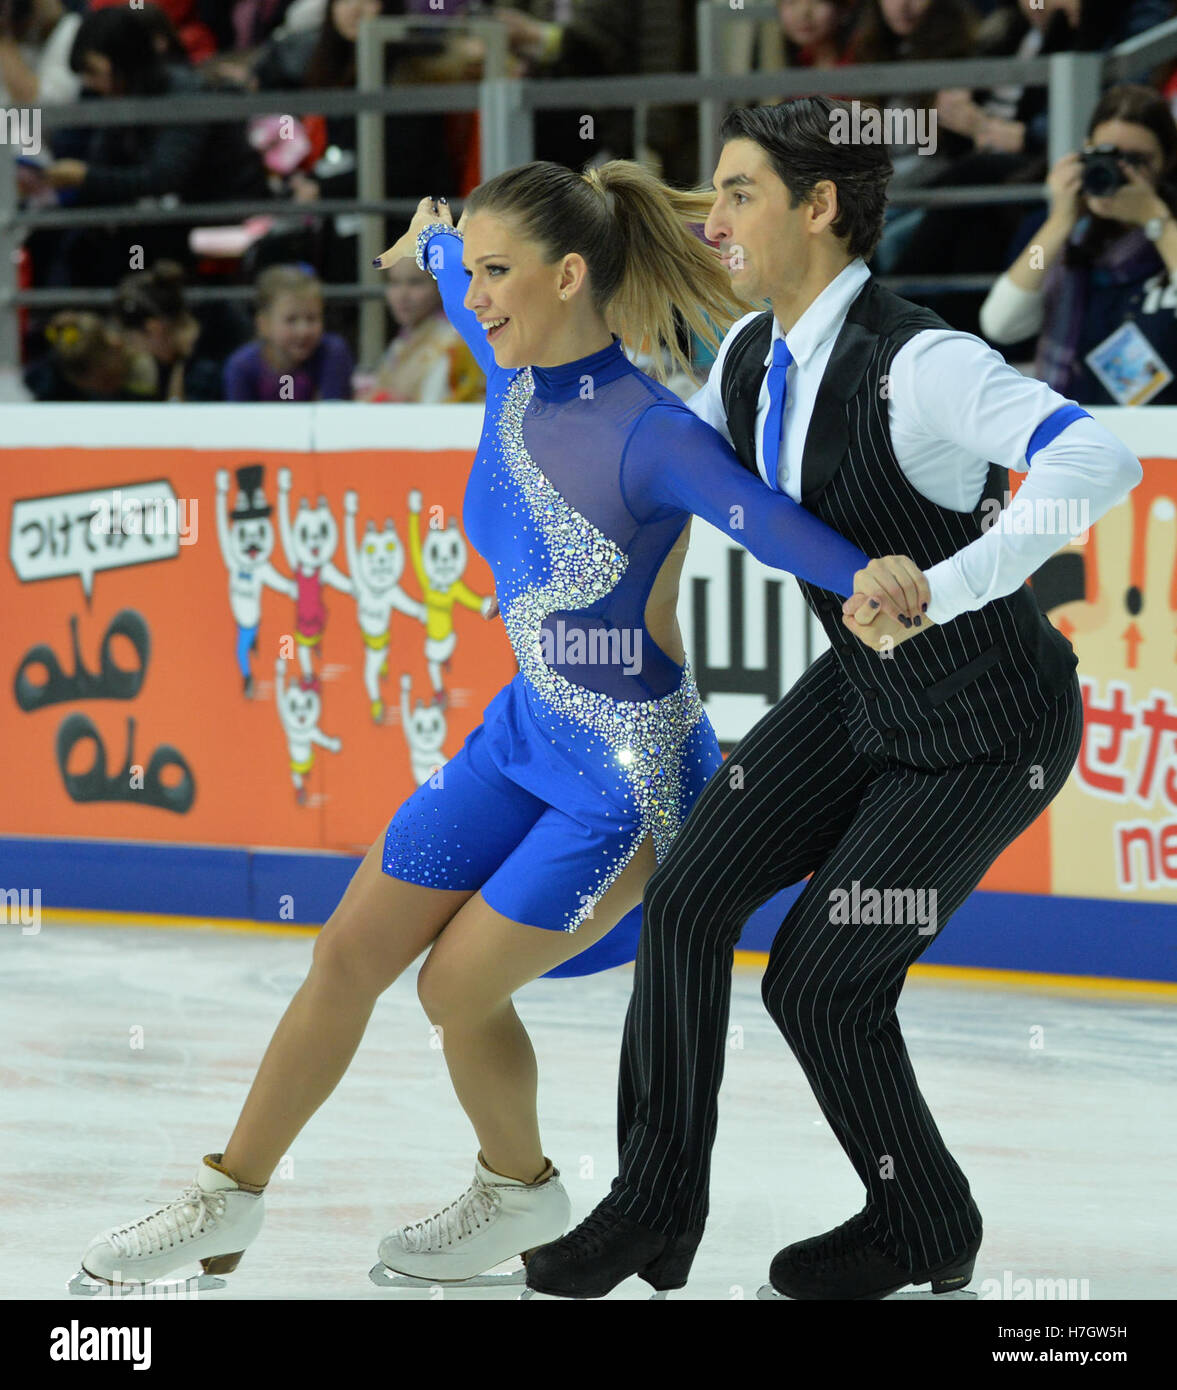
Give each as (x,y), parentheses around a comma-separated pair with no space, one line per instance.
(781,357)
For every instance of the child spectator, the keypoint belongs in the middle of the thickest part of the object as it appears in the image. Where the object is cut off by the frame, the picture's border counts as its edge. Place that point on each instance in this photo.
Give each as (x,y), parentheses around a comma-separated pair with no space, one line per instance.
(291,359)
(89,361)
(427,361)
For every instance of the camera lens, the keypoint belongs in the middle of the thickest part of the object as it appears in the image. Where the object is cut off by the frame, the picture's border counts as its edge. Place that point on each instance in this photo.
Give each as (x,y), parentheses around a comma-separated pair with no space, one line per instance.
(1102,174)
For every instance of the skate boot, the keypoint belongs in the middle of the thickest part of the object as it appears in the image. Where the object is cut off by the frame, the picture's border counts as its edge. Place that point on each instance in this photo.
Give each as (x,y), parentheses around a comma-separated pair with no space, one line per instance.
(846,1263)
(211,1222)
(494,1220)
(606,1248)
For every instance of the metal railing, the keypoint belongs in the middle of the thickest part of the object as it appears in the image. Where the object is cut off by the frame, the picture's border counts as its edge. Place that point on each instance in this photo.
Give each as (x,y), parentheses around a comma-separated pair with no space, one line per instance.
(507,108)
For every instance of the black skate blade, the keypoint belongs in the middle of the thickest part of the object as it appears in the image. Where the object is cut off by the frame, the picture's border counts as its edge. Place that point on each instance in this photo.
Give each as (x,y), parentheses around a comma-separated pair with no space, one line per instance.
(390,1279)
(86,1285)
(767,1291)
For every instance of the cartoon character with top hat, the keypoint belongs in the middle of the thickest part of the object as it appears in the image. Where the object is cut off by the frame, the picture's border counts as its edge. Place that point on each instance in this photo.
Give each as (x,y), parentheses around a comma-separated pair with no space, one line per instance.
(246,535)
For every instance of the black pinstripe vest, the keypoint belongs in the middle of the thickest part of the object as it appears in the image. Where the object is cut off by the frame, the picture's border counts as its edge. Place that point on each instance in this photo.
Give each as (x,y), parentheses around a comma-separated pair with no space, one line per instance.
(963,687)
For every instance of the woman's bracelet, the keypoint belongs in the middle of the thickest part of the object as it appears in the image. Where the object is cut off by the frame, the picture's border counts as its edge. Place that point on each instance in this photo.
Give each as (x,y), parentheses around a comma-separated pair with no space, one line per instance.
(423,240)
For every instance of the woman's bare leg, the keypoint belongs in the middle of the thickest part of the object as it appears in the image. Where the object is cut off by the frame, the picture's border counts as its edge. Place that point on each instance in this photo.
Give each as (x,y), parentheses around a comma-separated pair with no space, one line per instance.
(476,965)
(380,927)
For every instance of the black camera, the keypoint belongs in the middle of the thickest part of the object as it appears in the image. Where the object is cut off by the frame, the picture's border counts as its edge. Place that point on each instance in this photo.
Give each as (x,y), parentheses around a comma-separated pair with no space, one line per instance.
(1102,174)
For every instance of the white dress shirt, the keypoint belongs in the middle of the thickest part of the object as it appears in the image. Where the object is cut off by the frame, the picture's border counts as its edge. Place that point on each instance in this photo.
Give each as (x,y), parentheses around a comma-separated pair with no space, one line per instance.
(954,407)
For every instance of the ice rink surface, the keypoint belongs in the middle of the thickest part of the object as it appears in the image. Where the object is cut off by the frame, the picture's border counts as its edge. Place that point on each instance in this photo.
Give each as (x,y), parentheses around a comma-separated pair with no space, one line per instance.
(127,1052)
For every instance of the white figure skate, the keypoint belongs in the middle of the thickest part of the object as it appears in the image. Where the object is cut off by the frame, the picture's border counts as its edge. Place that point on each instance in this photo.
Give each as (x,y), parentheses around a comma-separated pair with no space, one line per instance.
(494,1220)
(211,1222)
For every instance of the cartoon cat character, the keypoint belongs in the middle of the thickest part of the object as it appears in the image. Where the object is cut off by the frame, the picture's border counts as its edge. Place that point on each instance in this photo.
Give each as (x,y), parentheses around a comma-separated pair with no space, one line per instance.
(376,566)
(246,535)
(425,731)
(439,563)
(309,544)
(299,708)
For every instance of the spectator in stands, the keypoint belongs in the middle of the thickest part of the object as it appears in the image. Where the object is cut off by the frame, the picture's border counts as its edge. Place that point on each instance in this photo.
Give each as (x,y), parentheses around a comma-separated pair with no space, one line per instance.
(817,32)
(154,319)
(1007,127)
(291,359)
(242,25)
(252,22)
(415,153)
(89,360)
(911,31)
(1013,120)
(124,52)
(197,38)
(116,53)
(35,41)
(608,38)
(1098,283)
(427,361)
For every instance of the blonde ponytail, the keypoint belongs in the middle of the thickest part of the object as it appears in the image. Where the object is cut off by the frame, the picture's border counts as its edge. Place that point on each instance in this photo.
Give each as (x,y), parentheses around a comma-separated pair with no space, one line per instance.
(635,234)
(667,266)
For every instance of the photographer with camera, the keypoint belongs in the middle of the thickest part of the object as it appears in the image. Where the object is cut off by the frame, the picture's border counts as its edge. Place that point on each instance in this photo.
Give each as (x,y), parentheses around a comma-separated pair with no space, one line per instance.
(1098,280)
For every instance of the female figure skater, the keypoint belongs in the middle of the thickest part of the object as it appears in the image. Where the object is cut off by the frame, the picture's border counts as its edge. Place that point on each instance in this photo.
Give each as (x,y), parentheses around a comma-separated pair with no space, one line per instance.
(560,804)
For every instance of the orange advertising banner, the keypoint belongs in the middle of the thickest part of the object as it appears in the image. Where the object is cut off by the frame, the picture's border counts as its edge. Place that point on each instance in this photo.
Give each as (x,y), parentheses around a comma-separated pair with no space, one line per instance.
(270,635)
(265,648)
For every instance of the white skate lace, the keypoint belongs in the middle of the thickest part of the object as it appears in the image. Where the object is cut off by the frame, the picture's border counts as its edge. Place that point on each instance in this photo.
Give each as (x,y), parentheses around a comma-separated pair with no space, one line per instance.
(453,1223)
(181,1220)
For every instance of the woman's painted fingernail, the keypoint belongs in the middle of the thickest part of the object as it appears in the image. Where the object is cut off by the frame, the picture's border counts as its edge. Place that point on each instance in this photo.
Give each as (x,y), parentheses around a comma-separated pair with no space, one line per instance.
(919,621)
(443,200)
(376,262)
(924,607)
(874,603)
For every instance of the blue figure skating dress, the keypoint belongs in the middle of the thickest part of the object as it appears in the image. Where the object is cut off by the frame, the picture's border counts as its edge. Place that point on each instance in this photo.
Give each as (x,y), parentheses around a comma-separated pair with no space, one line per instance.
(584,478)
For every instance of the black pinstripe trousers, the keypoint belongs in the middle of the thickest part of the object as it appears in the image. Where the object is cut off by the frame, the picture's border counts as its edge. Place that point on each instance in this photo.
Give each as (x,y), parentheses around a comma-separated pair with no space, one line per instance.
(810,803)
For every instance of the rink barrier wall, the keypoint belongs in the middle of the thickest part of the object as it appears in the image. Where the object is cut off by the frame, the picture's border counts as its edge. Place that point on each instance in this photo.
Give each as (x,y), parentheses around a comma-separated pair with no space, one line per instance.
(1088,889)
(992,931)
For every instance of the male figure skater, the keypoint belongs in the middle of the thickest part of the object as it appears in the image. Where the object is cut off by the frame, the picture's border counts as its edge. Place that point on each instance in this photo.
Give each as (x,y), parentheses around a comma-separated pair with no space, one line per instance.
(899,769)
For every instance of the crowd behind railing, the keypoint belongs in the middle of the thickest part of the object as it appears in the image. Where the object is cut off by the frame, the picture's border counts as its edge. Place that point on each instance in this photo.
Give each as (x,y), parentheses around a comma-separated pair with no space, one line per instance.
(1086,280)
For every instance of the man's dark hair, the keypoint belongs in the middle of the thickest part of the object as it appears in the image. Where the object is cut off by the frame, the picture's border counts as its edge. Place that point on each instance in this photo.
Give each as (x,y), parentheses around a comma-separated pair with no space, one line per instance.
(796,138)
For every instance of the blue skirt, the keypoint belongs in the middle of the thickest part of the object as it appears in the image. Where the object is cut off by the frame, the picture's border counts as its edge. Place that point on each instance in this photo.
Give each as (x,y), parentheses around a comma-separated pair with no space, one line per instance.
(541,815)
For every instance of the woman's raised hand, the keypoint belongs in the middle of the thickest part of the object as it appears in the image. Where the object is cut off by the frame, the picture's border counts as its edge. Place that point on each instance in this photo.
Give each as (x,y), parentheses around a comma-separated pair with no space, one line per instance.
(428,210)
(1064,185)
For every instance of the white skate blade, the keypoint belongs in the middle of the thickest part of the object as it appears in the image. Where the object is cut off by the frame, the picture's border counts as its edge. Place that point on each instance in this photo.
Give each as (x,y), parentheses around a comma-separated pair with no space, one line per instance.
(87,1285)
(767,1291)
(927,1293)
(390,1279)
